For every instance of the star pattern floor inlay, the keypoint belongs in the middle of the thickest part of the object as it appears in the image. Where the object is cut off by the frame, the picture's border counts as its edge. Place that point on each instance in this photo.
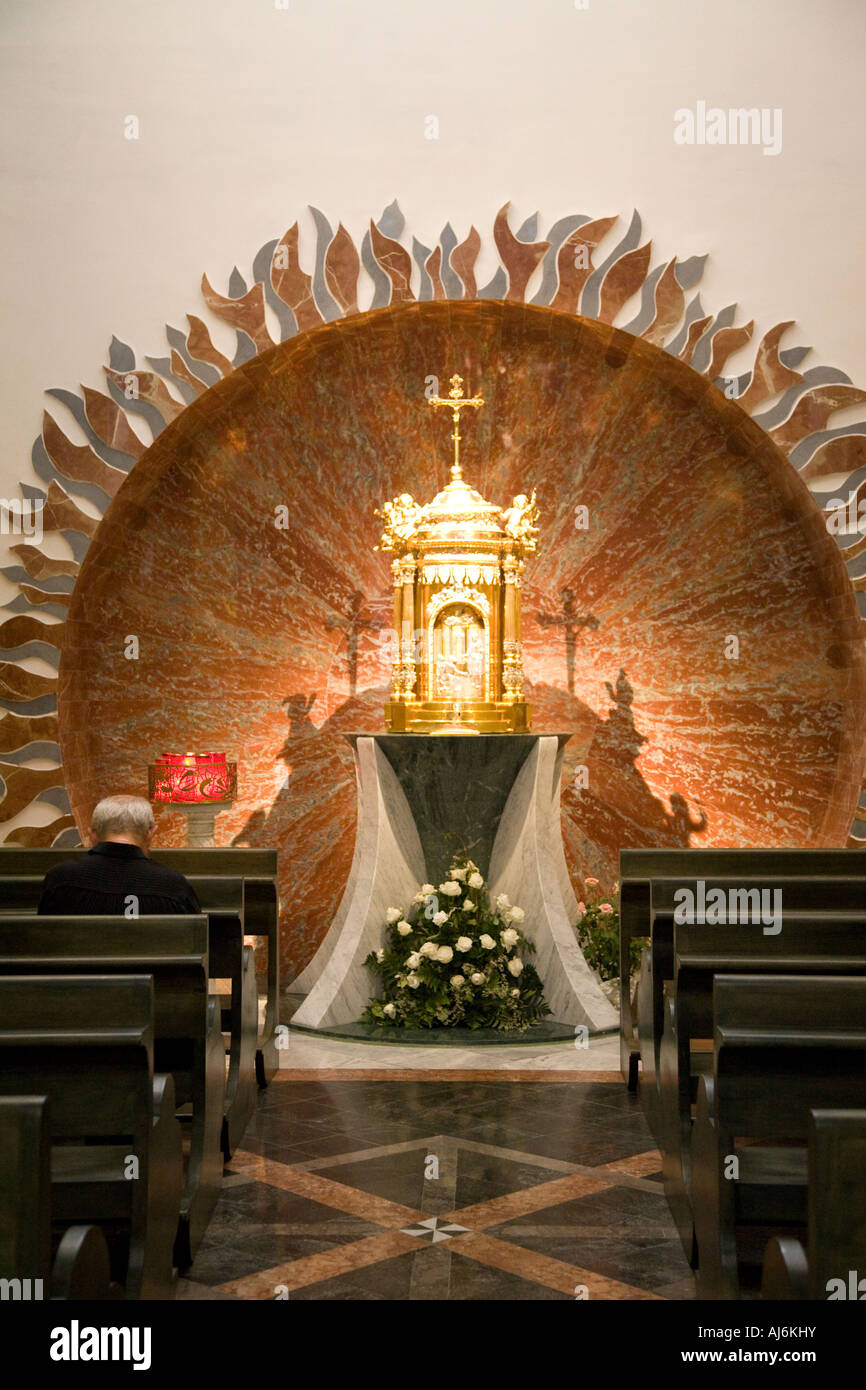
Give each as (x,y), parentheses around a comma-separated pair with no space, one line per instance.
(434,1231)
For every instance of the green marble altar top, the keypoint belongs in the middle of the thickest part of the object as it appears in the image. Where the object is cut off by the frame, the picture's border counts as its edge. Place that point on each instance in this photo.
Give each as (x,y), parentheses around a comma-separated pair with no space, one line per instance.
(456,786)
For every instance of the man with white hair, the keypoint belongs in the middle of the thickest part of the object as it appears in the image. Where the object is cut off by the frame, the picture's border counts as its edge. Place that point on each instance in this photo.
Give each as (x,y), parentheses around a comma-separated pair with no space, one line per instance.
(116,877)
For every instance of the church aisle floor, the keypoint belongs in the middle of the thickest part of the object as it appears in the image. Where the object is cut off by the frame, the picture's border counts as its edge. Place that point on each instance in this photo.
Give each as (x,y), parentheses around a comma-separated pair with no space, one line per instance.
(467,1185)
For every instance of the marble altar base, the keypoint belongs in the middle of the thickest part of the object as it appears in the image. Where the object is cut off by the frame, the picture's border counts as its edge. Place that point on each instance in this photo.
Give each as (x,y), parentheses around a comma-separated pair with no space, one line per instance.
(421,800)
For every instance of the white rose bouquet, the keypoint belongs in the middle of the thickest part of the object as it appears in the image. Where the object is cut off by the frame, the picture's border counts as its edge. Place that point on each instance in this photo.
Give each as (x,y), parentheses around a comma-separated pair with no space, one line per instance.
(453,925)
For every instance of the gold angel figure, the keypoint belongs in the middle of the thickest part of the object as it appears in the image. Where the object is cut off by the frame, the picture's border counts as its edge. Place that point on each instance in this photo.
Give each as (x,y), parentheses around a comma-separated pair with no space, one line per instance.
(520,519)
(401,518)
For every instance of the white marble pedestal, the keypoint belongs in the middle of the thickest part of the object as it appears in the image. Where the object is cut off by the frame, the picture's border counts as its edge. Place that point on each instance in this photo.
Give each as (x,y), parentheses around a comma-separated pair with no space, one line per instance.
(501,792)
(200,820)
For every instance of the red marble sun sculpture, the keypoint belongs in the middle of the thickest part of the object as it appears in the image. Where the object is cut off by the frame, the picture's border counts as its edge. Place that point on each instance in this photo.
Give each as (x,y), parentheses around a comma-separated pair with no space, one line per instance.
(700,635)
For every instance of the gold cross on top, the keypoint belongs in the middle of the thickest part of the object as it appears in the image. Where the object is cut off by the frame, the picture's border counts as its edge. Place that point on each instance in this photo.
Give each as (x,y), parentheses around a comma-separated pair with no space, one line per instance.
(456,401)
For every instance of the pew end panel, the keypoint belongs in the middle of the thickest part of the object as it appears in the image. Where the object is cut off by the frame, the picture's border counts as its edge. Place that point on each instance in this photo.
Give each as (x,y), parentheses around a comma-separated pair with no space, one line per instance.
(786,1270)
(186,1039)
(784,1045)
(837,1205)
(82,1271)
(634,904)
(86,1042)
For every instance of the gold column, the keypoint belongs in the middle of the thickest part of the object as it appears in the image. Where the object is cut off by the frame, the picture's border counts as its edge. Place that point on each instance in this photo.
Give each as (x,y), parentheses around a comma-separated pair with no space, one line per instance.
(512,670)
(398,610)
(425,673)
(408,671)
(494,669)
(517,621)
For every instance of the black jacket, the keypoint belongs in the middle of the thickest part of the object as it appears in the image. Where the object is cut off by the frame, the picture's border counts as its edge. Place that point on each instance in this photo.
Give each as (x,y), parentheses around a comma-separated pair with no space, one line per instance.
(102,882)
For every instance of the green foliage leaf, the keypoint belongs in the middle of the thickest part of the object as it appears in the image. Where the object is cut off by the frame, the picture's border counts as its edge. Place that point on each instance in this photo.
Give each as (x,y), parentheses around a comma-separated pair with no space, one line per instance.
(598,937)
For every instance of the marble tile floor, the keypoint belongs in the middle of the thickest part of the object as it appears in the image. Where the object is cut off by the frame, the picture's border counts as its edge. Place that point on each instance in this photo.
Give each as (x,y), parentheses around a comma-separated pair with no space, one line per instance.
(442,1184)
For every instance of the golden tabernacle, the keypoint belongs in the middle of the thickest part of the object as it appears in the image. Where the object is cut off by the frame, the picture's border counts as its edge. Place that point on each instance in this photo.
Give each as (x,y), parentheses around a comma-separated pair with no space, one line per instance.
(457,568)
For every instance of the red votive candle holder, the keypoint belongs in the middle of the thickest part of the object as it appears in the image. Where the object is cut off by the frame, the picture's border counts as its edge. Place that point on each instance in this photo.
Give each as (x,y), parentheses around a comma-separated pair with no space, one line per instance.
(198,784)
(193,777)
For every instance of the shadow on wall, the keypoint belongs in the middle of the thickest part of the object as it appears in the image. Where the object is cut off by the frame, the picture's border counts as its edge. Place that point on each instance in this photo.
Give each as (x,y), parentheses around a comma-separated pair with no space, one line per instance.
(607,806)
(312,819)
(570,620)
(352,626)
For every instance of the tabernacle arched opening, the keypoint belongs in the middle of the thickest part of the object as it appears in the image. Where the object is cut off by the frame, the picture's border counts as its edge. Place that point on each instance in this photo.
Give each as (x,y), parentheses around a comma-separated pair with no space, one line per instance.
(458,649)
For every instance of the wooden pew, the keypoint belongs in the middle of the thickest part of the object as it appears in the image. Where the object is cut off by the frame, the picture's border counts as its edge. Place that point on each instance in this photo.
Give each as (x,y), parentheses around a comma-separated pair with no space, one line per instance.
(805,893)
(257,867)
(187,1038)
(19,893)
(223,899)
(836,1243)
(638,867)
(807,944)
(783,1046)
(87,1044)
(80,1268)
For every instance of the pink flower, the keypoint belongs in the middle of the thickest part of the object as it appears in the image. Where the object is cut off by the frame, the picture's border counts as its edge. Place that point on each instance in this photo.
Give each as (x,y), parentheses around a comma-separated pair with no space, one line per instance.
(605,909)
(581,907)
(592,883)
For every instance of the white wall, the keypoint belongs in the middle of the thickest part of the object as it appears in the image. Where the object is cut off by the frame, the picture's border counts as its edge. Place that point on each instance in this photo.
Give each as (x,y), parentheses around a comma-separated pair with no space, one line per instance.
(249,112)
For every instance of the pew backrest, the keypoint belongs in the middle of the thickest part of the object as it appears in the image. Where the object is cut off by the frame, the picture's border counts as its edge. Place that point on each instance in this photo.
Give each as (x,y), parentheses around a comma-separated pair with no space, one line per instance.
(750,892)
(21,892)
(807,944)
(784,1043)
(729,863)
(171,949)
(216,862)
(91,1036)
(648,872)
